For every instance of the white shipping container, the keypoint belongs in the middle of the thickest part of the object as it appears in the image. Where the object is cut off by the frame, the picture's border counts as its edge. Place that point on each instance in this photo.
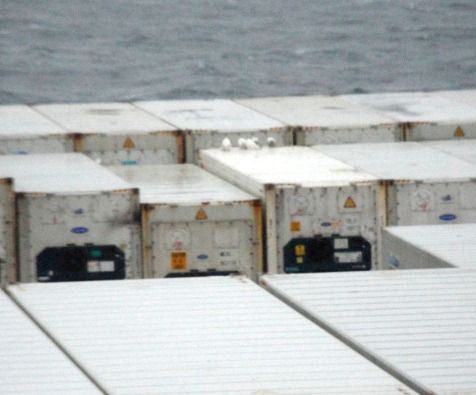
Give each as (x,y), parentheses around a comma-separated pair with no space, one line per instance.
(24,131)
(194,223)
(117,133)
(430,246)
(462,149)
(321,214)
(8,267)
(417,324)
(423,186)
(68,199)
(207,122)
(327,120)
(214,335)
(423,116)
(31,363)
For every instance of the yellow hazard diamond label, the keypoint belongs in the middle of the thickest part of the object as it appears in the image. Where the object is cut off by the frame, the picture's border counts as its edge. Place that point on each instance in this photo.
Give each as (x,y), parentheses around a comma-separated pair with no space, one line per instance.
(178,260)
(300,250)
(459,132)
(128,143)
(201,215)
(295,226)
(350,203)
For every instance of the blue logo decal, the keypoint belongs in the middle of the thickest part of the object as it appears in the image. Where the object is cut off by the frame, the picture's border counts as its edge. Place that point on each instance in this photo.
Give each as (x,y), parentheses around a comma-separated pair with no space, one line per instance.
(79,230)
(202,256)
(447,217)
(326,224)
(18,151)
(129,162)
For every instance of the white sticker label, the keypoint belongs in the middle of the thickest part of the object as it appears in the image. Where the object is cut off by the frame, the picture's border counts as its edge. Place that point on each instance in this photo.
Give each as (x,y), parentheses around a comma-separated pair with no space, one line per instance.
(100,266)
(348,257)
(341,244)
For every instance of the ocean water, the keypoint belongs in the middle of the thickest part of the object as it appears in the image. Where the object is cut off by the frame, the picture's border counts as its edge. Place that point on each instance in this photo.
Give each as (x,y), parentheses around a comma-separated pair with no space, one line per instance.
(122,50)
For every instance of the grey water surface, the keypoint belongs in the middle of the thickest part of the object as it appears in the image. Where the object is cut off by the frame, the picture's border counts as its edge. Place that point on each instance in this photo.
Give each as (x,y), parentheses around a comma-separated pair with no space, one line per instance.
(122,50)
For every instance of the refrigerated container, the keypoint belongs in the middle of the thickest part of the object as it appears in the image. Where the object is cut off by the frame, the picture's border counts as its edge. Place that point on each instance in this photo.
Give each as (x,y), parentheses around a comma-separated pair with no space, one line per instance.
(206,123)
(31,363)
(117,133)
(320,214)
(76,219)
(327,119)
(423,186)
(430,246)
(194,223)
(25,131)
(208,335)
(462,149)
(423,115)
(8,266)
(416,324)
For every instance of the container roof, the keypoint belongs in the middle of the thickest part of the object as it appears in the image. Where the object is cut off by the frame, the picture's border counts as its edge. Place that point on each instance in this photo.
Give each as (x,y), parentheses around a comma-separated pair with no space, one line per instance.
(184,184)
(420,322)
(454,244)
(31,363)
(417,107)
(20,121)
(218,115)
(58,173)
(462,149)
(196,335)
(466,96)
(104,118)
(300,166)
(401,161)
(317,111)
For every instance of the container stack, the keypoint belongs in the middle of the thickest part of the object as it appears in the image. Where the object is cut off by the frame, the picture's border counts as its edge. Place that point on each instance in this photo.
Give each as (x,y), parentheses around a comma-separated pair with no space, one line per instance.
(117,133)
(194,223)
(76,220)
(327,119)
(321,214)
(416,324)
(197,335)
(206,123)
(25,131)
(430,246)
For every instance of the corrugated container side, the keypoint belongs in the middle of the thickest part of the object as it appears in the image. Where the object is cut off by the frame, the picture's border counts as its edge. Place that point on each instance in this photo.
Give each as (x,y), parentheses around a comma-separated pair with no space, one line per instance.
(8,262)
(59,220)
(402,254)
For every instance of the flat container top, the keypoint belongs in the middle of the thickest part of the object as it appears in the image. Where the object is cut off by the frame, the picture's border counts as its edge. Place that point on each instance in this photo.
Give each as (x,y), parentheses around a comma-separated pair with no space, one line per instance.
(455,244)
(462,149)
(419,322)
(30,362)
(215,335)
(297,166)
(185,184)
(20,121)
(466,96)
(104,118)
(417,107)
(210,115)
(401,161)
(317,111)
(58,173)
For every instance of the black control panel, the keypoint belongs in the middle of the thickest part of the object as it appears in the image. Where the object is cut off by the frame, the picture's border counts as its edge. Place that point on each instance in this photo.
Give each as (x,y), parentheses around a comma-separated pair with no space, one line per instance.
(201,273)
(81,263)
(327,254)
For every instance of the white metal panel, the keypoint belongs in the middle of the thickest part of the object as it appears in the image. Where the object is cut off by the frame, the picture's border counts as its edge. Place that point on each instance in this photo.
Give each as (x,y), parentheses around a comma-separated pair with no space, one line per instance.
(209,115)
(416,107)
(326,119)
(430,245)
(103,118)
(208,335)
(30,363)
(466,96)
(462,149)
(58,173)
(420,323)
(299,166)
(184,184)
(401,161)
